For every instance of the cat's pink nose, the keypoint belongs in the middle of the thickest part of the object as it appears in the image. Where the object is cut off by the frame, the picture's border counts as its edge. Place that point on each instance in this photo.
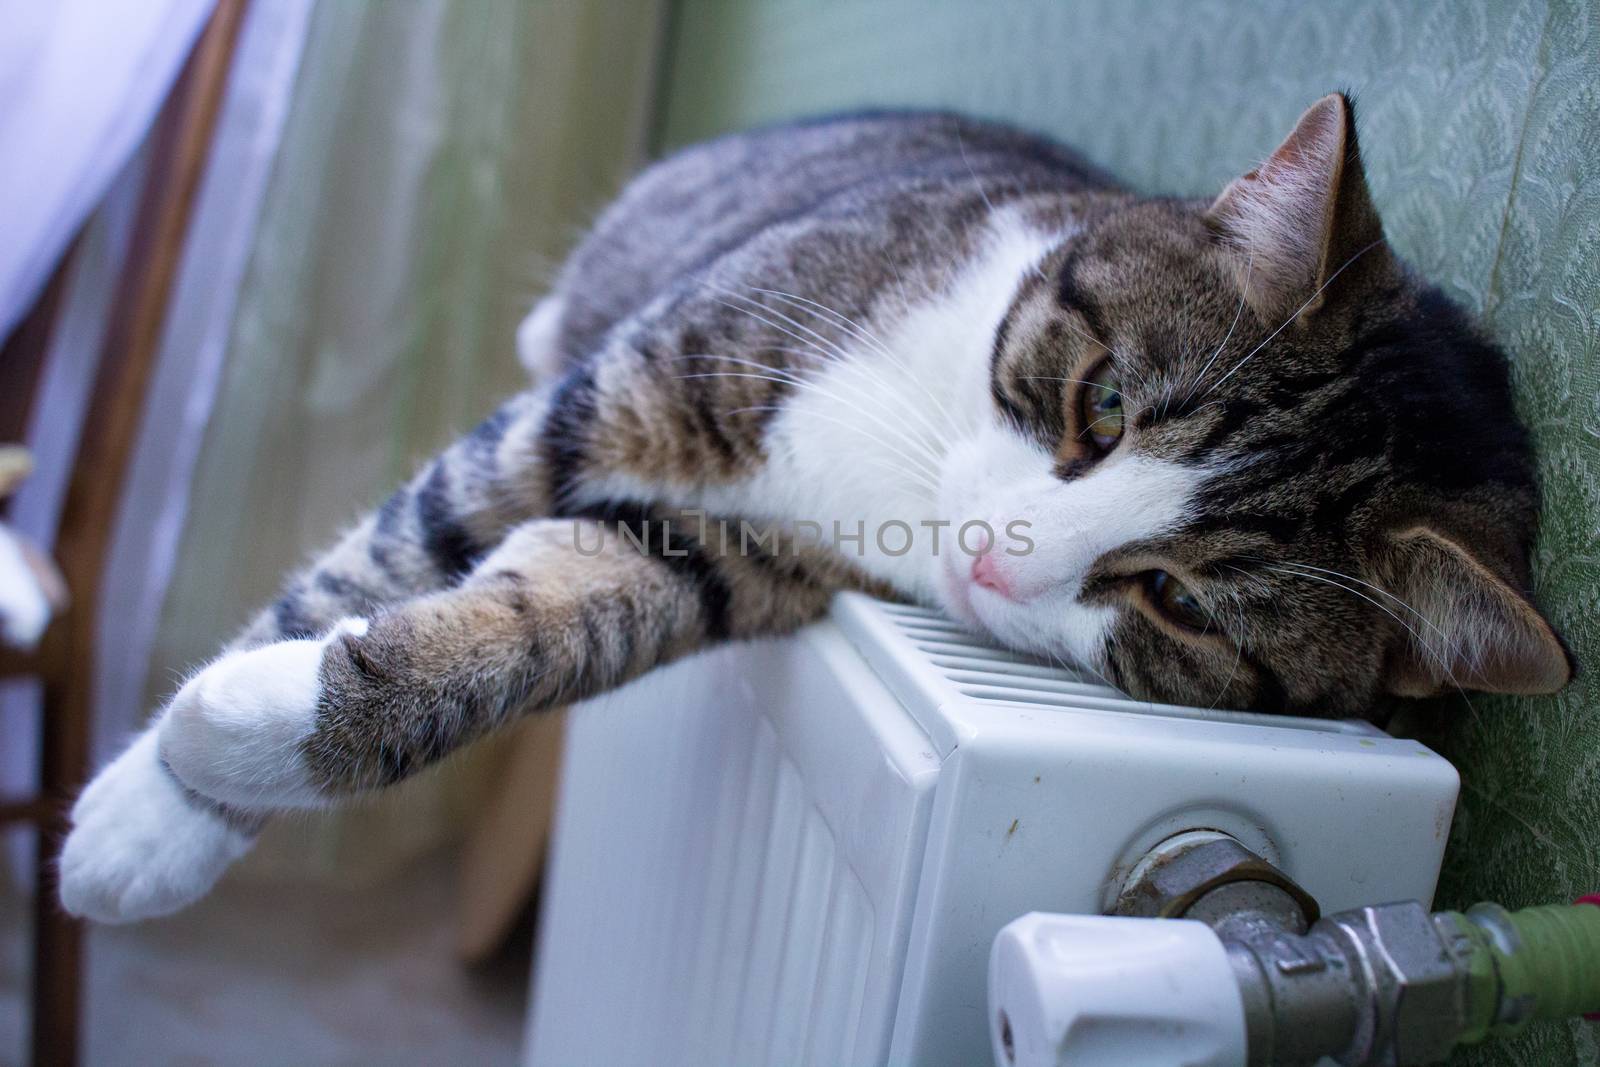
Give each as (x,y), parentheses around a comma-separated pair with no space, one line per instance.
(986,573)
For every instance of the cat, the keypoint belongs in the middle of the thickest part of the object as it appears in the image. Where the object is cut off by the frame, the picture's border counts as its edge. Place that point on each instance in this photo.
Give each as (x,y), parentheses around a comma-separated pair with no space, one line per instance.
(1225,452)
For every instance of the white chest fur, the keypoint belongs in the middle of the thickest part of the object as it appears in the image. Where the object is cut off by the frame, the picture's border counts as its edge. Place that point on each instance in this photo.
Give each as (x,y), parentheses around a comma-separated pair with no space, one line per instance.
(856,451)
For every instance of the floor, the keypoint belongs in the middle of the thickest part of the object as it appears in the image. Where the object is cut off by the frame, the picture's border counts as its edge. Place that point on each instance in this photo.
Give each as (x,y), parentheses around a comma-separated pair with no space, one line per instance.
(287,973)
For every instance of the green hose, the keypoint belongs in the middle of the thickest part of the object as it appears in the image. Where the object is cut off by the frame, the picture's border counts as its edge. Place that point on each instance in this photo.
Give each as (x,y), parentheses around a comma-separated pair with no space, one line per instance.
(1537,963)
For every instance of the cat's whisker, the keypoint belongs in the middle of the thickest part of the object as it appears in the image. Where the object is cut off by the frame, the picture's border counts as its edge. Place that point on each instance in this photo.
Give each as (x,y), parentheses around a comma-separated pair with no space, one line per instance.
(1449,643)
(1238,654)
(900,283)
(1119,415)
(1118,359)
(807,384)
(1443,664)
(935,437)
(923,461)
(1051,378)
(763,370)
(906,472)
(1306,570)
(961,146)
(1260,583)
(1296,313)
(920,459)
(1377,589)
(1109,683)
(929,445)
(1074,667)
(811,354)
(860,332)
(764,320)
(866,335)
(838,317)
(1239,311)
(1207,404)
(843,356)
(696,357)
(817,338)
(794,377)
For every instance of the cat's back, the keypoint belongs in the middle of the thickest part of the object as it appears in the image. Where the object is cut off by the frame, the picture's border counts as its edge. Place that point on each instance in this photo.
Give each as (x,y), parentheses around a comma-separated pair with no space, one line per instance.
(694,206)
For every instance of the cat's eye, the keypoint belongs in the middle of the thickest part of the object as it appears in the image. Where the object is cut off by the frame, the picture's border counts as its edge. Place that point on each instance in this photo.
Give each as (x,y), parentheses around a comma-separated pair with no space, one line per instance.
(1174,600)
(1101,408)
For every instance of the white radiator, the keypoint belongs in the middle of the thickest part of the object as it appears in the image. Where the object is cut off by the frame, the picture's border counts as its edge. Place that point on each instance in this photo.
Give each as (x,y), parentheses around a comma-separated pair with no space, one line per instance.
(799,851)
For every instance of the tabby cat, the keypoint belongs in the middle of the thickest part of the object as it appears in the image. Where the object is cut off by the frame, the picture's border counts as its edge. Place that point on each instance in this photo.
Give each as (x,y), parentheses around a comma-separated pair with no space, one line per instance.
(1226,452)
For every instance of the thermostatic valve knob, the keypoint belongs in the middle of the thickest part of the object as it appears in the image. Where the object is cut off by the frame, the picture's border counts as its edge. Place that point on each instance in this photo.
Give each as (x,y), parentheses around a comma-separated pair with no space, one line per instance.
(1100,991)
(1381,986)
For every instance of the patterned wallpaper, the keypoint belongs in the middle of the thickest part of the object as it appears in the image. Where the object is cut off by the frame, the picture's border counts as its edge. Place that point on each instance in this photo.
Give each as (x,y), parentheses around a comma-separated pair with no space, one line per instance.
(1480,123)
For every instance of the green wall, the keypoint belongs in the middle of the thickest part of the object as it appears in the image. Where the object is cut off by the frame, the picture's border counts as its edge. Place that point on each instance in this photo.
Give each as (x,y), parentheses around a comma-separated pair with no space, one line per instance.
(1480,124)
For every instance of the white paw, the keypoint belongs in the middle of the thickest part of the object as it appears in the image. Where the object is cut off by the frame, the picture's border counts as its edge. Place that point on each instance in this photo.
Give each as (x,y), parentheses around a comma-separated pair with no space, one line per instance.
(139,847)
(234,731)
(24,606)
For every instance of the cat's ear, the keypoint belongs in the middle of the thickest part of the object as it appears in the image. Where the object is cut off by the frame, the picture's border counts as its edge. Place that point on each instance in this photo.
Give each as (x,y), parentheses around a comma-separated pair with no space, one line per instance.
(1468,626)
(1301,216)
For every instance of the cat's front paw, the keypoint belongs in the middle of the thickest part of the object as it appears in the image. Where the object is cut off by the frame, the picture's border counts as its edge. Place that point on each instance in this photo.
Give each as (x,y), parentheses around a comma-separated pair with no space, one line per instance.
(140,846)
(235,731)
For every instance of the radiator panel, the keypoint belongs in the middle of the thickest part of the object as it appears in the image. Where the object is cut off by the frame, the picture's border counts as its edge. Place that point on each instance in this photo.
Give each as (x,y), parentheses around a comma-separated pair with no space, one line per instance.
(734,872)
(800,851)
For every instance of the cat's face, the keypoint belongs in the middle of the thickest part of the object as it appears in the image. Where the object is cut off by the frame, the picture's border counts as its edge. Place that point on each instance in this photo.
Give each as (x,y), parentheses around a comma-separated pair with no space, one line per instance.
(1254,462)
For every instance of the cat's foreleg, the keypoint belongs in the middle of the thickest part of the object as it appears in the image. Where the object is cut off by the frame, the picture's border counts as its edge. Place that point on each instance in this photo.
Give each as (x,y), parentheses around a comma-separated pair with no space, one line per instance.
(428,534)
(143,842)
(562,610)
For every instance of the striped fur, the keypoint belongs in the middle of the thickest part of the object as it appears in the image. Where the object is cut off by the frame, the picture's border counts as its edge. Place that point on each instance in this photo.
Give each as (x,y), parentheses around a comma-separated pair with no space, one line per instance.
(892,318)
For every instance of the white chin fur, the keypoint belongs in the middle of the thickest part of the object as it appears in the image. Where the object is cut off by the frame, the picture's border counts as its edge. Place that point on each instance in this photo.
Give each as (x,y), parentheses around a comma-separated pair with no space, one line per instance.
(234,731)
(139,847)
(1002,478)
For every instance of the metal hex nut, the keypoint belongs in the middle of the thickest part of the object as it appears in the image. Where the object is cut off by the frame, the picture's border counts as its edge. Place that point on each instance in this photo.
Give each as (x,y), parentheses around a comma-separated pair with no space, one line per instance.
(1407,954)
(1171,885)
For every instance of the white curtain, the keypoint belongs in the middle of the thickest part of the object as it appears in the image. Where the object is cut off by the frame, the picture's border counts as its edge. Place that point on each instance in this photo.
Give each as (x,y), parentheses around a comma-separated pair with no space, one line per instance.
(80,82)
(193,346)
(435,159)
(389,187)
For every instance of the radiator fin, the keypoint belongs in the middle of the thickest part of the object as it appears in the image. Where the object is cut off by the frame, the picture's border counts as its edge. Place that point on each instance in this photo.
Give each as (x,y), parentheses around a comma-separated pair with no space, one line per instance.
(971,666)
(725,893)
(758,979)
(837,1001)
(796,985)
(731,894)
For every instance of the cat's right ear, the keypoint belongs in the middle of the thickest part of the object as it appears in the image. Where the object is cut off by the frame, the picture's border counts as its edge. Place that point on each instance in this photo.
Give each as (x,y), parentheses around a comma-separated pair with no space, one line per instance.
(1302,216)
(1463,624)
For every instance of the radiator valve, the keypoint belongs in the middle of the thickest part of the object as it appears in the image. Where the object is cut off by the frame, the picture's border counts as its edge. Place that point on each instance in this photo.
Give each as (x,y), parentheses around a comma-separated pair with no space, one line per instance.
(1217,959)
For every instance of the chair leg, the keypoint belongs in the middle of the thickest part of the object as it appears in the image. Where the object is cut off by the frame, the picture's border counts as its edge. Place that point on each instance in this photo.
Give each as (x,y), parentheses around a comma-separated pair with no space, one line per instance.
(57,965)
(57,937)
(181,141)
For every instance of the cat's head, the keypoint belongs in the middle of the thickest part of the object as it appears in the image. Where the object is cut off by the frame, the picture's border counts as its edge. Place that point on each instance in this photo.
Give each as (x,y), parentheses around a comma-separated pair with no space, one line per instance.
(1260,464)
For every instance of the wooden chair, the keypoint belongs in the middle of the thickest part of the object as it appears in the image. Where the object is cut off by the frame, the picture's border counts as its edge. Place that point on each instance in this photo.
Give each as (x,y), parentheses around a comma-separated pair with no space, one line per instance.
(65,660)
